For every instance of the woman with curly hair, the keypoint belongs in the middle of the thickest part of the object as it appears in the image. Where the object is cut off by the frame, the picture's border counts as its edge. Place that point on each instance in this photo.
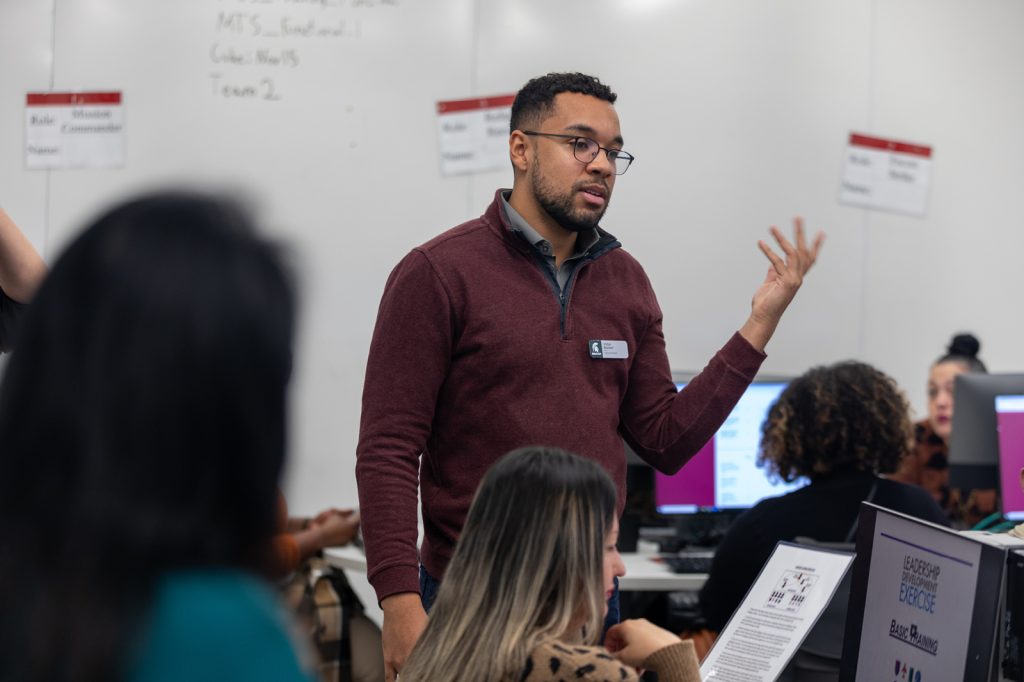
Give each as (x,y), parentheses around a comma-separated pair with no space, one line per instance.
(840,427)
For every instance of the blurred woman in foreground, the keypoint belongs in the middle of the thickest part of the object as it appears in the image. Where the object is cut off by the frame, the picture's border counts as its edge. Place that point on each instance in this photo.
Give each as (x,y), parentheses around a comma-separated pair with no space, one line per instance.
(142,422)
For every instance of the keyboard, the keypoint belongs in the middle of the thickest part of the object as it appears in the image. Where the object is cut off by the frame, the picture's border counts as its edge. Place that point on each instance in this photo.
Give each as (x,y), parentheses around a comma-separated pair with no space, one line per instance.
(689,562)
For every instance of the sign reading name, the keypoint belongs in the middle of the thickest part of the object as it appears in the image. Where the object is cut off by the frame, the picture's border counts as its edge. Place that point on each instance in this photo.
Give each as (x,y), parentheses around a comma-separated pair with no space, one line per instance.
(886,175)
(74,130)
(473,134)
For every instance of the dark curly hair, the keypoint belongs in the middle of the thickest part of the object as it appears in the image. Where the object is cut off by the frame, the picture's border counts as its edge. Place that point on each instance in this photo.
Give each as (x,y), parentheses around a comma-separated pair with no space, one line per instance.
(535,100)
(844,417)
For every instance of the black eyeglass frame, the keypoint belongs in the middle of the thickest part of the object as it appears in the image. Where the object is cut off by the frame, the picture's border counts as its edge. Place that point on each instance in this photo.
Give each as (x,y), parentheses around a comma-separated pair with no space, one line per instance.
(619,154)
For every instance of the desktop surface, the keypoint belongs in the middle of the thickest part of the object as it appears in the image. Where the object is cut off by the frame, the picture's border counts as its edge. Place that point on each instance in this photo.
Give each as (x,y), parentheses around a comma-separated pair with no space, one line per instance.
(689,561)
(644,573)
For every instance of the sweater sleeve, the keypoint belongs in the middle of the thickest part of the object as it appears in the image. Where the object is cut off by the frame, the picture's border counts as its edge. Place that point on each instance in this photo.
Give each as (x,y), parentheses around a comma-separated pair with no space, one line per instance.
(675,663)
(667,428)
(410,354)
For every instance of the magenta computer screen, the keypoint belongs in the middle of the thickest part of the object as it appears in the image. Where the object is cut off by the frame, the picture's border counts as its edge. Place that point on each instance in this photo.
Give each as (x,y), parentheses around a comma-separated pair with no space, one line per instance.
(724,474)
(1010,422)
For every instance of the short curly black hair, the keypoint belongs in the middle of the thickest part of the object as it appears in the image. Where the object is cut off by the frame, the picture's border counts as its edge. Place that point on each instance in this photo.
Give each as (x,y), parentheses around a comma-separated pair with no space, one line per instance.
(845,417)
(535,99)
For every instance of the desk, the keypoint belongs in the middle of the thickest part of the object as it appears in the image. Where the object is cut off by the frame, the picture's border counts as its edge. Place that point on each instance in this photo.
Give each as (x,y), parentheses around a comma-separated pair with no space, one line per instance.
(643,574)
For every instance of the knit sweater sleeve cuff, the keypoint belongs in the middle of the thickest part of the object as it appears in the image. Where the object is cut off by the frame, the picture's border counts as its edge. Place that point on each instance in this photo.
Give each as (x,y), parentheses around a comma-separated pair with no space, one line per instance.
(675,663)
(741,357)
(395,580)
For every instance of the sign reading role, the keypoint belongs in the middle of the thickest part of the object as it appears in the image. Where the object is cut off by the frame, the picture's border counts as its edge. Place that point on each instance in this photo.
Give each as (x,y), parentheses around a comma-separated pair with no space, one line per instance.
(74,130)
(886,175)
(473,134)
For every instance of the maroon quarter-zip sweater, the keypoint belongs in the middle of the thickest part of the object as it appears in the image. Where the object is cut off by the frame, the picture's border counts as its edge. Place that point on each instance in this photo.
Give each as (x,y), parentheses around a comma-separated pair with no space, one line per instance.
(476,352)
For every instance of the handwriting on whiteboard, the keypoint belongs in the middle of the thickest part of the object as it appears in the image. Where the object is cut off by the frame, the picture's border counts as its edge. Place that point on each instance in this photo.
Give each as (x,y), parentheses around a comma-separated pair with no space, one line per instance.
(257,46)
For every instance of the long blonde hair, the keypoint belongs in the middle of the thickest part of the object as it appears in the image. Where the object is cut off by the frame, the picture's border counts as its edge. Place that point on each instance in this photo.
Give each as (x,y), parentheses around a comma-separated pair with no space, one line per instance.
(527,568)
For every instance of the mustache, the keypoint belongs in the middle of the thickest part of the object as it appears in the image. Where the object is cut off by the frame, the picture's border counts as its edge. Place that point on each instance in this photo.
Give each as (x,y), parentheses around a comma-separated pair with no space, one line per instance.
(585,184)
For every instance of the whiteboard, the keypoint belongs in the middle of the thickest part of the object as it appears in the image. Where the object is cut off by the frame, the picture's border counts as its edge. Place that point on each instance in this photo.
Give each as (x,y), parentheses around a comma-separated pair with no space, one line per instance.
(737,111)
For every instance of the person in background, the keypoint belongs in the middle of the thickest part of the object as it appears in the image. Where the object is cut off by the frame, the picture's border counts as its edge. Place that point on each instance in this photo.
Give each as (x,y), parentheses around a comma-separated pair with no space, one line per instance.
(21,271)
(300,538)
(143,428)
(840,427)
(928,464)
(524,598)
(297,541)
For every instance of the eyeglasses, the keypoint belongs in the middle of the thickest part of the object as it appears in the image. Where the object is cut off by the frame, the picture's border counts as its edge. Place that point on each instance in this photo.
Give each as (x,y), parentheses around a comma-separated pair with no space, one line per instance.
(586,150)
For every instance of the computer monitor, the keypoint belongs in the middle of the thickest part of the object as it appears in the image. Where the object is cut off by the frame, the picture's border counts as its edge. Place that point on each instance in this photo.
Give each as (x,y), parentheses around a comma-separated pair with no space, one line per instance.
(724,475)
(974,446)
(927,602)
(1010,424)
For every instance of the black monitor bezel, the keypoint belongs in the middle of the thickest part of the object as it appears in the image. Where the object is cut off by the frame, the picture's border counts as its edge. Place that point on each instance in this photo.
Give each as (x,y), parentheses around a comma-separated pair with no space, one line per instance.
(974,443)
(984,617)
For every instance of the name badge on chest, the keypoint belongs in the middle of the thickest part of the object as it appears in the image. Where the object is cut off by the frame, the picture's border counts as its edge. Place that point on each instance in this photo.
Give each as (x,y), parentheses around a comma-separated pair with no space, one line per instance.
(603,349)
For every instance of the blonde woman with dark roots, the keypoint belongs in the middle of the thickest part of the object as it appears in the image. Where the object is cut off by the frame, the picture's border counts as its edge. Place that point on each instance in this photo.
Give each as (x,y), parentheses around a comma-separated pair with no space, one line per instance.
(525,593)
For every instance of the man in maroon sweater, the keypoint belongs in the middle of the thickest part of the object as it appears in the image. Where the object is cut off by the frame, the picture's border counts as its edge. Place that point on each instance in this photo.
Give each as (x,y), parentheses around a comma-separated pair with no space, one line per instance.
(530,325)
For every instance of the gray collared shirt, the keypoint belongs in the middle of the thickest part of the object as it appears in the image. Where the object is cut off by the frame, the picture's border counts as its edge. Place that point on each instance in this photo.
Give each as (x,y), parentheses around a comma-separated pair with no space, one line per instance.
(584,240)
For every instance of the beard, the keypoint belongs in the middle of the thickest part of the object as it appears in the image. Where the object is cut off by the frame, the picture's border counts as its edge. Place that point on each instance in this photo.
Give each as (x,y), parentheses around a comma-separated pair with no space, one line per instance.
(562,207)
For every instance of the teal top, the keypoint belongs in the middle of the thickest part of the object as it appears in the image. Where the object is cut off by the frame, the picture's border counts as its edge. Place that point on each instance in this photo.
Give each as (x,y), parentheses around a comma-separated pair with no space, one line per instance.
(215,625)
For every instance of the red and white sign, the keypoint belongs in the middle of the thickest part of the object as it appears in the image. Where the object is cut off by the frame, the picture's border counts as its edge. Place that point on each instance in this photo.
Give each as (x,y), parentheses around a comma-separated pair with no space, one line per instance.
(74,130)
(473,134)
(887,175)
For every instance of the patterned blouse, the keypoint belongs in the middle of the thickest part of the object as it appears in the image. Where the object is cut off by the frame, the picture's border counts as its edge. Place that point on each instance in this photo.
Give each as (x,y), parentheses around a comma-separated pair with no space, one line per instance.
(928,466)
(555,661)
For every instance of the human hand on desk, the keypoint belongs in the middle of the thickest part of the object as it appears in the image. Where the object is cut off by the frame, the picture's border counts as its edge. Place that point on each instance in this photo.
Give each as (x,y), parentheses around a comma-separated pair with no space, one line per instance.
(336,527)
(329,528)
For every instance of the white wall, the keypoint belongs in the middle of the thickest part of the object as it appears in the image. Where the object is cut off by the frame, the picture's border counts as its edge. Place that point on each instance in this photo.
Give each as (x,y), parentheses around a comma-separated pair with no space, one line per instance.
(738,112)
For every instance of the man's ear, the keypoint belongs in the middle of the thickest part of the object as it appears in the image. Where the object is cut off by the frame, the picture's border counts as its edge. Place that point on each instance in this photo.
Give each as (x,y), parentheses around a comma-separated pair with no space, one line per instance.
(519,151)
(1022,479)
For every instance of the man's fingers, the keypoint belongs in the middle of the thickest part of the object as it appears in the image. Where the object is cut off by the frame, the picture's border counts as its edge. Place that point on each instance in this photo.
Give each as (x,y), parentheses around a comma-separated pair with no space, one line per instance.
(777,263)
(798,229)
(784,244)
(818,241)
(808,256)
